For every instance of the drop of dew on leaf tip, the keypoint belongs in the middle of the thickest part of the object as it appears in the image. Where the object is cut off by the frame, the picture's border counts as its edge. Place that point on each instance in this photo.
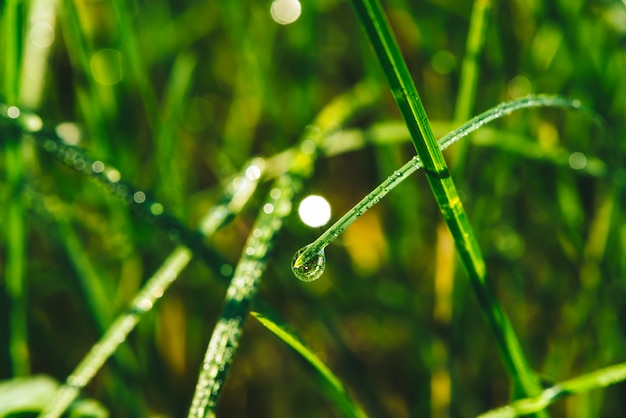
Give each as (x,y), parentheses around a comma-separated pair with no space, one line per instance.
(312,269)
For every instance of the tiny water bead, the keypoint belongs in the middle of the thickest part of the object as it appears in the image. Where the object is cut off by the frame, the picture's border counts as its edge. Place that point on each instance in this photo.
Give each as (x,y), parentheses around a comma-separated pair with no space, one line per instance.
(311,269)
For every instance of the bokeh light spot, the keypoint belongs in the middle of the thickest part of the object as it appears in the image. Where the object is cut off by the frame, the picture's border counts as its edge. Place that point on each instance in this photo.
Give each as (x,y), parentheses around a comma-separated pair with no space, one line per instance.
(444,62)
(13,112)
(519,86)
(106,66)
(285,11)
(577,160)
(314,211)
(42,35)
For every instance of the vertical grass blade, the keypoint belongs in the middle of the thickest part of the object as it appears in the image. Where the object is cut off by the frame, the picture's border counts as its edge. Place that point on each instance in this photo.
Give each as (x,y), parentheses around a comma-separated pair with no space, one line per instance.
(171,171)
(131,47)
(375,25)
(468,83)
(243,287)
(15,231)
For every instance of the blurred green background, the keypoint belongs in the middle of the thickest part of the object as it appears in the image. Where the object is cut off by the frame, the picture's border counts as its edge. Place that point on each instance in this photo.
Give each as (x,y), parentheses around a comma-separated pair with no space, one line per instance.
(179,94)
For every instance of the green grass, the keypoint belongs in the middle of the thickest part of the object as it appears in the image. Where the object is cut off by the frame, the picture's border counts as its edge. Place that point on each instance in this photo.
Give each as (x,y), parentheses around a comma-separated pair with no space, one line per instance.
(129,264)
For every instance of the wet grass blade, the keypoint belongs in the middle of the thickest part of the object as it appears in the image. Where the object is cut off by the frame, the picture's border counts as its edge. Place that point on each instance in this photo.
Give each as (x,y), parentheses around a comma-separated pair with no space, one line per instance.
(15,231)
(596,380)
(331,382)
(243,287)
(378,31)
(235,197)
(557,157)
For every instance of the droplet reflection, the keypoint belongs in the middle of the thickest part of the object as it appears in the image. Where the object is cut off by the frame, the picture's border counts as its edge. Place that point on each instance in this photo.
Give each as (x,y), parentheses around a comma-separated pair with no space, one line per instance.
(310,270)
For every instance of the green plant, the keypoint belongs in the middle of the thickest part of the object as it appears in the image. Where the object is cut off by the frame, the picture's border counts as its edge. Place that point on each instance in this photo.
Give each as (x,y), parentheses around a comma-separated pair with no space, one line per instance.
(151,82)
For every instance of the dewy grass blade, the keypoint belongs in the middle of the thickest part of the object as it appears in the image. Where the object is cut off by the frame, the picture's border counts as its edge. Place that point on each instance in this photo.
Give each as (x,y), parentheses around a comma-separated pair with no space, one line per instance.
(596,380)
(171,171)
(239,190)
(468,83)
(236,195)
(89,92)
(243,286)
(375,25)
(309,252)
(332,382)
(132,50)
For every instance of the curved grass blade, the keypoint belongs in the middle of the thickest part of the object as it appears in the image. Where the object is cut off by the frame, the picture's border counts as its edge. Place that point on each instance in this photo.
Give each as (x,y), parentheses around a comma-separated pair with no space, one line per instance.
(468,82)
(375,25)
(242,289)
(331,382)
(596,380)
(415,163)
(13,212)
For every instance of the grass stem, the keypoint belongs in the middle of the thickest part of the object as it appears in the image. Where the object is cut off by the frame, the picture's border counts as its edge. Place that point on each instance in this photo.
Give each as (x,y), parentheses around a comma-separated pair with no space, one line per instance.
(375,25)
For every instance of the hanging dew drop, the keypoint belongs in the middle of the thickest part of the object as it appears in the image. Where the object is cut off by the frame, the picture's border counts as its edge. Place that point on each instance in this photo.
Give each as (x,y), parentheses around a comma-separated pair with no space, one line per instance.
(310,270)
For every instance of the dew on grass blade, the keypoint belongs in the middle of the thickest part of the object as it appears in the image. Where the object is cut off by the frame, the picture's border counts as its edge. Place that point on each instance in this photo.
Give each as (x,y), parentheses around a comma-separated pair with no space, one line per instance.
(69,133)
(311,269)
(285,11)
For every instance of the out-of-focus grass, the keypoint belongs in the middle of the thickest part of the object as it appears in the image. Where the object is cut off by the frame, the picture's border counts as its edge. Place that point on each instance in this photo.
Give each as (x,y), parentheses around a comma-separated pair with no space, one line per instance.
(553,239)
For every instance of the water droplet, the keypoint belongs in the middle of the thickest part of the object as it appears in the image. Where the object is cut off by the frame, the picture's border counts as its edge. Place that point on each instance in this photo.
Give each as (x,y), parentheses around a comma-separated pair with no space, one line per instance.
(97,166)
(268,208)
(139,197)
(312,269)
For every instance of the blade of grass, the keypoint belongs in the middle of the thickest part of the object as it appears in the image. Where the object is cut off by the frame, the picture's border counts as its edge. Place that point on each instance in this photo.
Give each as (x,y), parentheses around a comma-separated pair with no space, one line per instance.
(391,132)
(41,24)
(445,256)
(88,91)
(130,45)
(225,338)
(12,41)
(478,122)
(468,82)
(235,197)
(237,194)
(171,171)
(375,25)
(598,379)
(15,232)
(331,382)
(242,289)
(96,295)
